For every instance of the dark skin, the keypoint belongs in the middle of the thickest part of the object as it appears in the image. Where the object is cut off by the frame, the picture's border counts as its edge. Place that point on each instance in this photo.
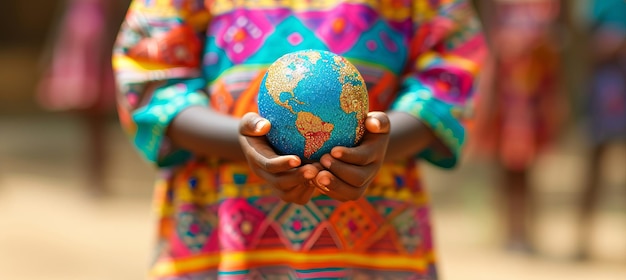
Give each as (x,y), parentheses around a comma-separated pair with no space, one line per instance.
(344,174)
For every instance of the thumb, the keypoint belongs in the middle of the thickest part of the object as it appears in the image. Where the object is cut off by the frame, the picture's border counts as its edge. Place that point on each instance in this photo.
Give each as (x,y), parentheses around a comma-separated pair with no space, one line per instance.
(252,124)
(377,122)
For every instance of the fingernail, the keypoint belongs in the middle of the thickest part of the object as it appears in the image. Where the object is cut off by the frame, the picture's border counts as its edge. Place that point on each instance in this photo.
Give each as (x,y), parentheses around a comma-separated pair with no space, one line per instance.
(377,123)
(309,174)
(294,163)
(259,125)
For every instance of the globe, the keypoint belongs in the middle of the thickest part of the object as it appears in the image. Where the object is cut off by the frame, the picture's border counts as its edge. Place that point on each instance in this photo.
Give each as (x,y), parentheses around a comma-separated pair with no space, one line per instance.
(315,100)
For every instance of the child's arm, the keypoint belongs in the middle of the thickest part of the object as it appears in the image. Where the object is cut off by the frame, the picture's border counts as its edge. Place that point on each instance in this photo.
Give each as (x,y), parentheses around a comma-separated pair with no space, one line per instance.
(445,52)
(409,136)
(156,60)
(163,104)
(206,132)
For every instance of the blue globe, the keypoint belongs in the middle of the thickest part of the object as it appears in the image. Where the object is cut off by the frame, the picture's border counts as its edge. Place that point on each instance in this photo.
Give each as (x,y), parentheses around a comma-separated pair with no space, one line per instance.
(315,100)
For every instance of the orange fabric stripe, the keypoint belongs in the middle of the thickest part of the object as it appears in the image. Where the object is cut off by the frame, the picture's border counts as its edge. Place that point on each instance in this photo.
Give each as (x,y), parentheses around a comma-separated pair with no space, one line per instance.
(234,261)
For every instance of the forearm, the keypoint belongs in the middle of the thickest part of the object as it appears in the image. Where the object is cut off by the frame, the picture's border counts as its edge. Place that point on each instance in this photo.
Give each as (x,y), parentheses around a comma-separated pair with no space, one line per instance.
(206,132)
(409,136)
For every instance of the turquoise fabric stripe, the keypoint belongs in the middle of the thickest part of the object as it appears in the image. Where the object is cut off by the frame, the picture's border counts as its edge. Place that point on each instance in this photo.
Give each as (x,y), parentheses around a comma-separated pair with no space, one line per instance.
(153,119)
(417,100)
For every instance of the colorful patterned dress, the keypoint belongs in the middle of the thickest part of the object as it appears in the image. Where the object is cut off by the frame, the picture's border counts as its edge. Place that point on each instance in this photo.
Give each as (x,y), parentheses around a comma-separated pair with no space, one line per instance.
(216,220)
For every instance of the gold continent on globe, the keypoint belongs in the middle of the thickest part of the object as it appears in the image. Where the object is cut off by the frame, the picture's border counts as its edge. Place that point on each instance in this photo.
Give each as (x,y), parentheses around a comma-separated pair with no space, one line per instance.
(315,100)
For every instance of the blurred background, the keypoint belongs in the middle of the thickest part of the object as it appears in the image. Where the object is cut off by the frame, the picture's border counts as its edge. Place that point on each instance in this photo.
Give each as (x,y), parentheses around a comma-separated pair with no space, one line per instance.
(541,193)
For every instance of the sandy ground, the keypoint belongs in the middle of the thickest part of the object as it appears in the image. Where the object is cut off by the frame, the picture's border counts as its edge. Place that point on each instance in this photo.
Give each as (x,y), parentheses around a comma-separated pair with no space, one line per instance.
(50,228)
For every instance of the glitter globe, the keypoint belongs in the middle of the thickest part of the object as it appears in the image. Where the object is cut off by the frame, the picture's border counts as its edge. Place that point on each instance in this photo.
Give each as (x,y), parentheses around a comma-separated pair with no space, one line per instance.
(315,100)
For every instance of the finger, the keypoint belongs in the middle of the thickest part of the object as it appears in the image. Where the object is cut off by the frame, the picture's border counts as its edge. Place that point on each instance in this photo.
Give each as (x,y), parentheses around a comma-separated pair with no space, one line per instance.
(373,145)
(262,155)
(372,149)
(286,181)
(252,124)
(338,189)
(355,175)
(377,122)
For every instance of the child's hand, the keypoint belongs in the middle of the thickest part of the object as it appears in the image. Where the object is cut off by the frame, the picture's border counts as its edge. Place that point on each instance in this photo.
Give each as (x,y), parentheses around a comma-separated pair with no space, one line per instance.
(351,170)
(292,182)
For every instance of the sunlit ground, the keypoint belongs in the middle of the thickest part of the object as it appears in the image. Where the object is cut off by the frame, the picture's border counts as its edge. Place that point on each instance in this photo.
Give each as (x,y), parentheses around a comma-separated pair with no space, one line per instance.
(51,228)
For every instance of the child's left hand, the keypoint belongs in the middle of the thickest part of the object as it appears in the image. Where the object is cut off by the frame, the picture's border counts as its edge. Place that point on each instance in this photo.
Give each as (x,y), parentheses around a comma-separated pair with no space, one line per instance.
(349,171)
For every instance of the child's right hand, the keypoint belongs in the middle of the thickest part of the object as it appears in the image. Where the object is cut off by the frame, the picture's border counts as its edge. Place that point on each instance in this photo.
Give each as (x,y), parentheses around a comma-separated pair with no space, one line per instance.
(292,182)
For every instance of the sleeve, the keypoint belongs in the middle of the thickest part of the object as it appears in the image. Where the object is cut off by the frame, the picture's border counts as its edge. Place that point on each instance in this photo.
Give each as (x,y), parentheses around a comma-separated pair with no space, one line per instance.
(156,60)
(445,53)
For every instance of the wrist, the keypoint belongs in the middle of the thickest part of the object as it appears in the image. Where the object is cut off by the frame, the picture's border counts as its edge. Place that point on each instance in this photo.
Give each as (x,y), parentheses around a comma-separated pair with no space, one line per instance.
(206,132)
(409,136)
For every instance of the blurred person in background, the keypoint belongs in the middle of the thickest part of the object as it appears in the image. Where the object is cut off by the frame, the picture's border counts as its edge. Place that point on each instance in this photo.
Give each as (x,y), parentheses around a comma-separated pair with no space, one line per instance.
(189,71)
(78,76)
(606,100)
(520,106)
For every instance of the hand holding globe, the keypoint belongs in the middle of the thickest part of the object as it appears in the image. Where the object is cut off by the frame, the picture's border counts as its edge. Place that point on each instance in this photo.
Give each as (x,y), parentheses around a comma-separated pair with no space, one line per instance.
(318,120)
